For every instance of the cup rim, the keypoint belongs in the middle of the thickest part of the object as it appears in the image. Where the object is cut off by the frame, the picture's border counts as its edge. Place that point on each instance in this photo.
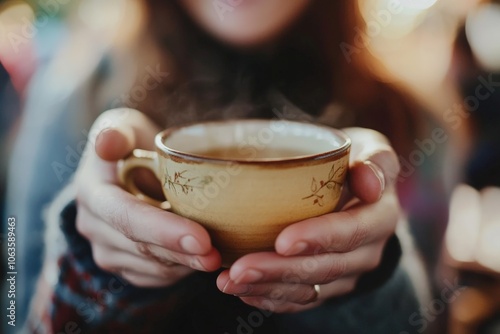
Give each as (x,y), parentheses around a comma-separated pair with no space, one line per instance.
(335,153)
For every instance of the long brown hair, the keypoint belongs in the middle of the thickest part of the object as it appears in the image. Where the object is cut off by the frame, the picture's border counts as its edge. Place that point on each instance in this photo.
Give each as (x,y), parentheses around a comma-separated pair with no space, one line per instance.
(304,75)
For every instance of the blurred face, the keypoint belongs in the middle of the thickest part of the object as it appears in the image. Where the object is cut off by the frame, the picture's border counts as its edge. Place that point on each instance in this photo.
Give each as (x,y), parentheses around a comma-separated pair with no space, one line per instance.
(245,22)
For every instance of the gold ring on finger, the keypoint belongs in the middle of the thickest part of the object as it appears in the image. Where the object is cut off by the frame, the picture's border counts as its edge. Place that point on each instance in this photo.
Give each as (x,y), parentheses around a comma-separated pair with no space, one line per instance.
(317,290)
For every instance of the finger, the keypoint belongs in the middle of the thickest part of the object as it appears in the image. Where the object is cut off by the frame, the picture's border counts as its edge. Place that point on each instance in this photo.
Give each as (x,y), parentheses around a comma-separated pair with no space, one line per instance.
(370,145)
(144,281)
(297,293)
(126,214)
(366,181)
(277,306)
(302,294)
(115,261)
(97,231)
(295,298)
(374,165)
(112,137)
(208,262)
(342,231)
(102,234)
(113,144)
(335,289)
(320,269)
(119,131)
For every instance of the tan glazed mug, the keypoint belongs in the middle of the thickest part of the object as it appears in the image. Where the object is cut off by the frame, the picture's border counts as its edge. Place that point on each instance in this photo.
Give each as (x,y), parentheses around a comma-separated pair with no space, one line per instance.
(245,180)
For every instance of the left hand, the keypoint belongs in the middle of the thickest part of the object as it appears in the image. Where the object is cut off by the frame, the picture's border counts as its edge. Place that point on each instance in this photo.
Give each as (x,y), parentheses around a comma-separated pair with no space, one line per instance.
(332,250)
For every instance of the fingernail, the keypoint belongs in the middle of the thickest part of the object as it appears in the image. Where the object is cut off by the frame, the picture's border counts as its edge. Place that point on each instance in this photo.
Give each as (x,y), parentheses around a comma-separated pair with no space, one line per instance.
(190,245)
(297,248)
(378,173)
(236,289)
(98,138)
(249,276)
(196,264)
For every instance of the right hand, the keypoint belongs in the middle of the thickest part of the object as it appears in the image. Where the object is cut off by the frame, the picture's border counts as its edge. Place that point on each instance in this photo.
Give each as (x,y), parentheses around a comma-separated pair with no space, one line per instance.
(147,246)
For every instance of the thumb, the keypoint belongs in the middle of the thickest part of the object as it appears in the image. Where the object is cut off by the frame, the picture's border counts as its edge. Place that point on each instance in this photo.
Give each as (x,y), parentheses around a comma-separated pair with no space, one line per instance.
(373,164)
(119,131)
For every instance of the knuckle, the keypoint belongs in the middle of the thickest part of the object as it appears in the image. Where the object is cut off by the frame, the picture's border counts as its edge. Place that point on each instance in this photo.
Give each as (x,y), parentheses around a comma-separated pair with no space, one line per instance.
(359,236)
(118,215)
(122,222)
(104,203)
(148,251)
(333,240)
(325,244)
(274,293)
(335,270)
(167,272)
(143,248)
(347,241)
(307,295)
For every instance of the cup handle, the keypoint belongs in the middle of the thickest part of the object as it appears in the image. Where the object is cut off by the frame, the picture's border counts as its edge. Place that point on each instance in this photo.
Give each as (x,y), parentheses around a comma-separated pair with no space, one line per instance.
(140,159)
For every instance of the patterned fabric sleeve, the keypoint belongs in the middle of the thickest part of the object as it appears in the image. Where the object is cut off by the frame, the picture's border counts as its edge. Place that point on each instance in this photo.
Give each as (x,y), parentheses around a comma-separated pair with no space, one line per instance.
(85,299)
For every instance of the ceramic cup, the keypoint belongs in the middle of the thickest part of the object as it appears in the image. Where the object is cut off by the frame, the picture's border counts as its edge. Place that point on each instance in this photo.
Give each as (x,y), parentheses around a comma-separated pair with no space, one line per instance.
(245,180)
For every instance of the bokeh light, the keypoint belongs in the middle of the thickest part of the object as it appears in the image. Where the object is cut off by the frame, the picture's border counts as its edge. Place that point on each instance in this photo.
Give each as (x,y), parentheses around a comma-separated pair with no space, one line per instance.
(483,27)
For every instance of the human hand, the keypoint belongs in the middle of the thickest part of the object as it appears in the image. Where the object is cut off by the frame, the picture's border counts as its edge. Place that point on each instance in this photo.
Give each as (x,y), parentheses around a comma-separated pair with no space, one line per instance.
(145,245)
(473,229)
(332,250)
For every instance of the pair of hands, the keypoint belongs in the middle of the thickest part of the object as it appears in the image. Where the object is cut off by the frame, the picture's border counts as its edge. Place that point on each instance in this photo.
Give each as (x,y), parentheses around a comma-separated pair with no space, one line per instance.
(154,248)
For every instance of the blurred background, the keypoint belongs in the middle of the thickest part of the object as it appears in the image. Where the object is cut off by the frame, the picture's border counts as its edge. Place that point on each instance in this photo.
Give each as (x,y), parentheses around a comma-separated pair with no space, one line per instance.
(439,51)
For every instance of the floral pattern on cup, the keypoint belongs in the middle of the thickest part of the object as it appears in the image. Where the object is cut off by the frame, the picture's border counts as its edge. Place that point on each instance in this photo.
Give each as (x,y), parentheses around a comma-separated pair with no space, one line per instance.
(181,182)
(335,179)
